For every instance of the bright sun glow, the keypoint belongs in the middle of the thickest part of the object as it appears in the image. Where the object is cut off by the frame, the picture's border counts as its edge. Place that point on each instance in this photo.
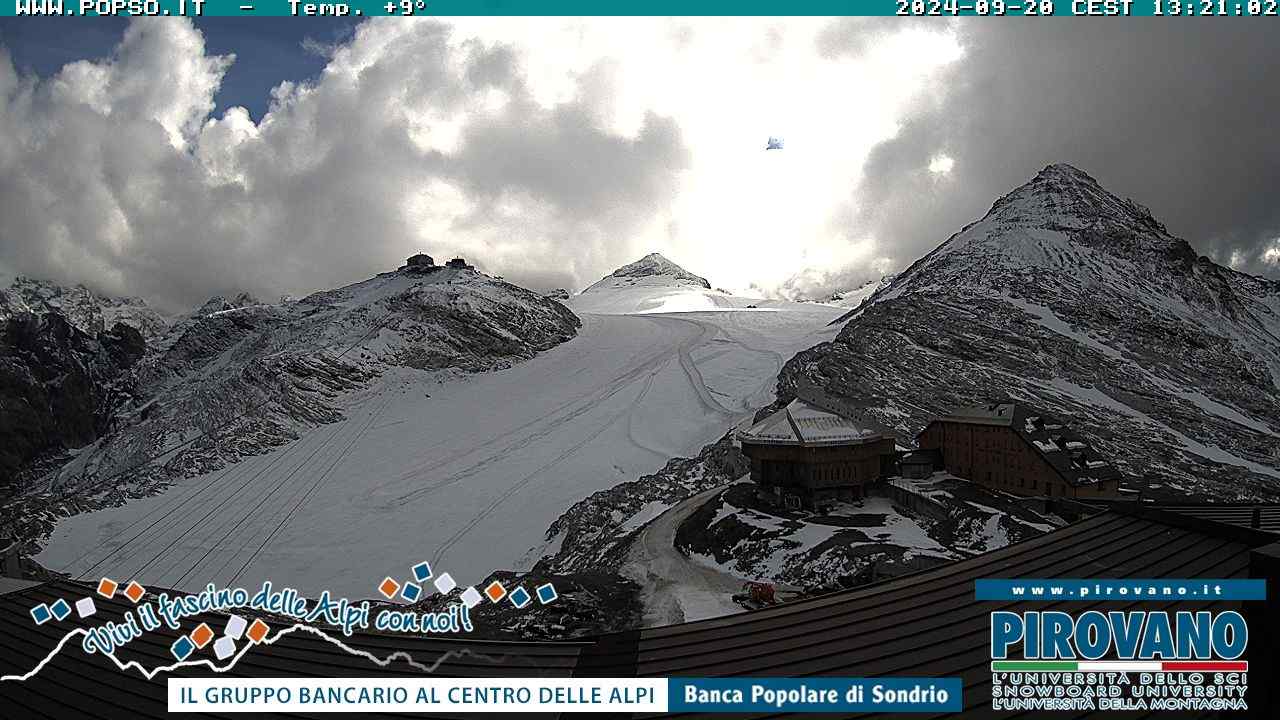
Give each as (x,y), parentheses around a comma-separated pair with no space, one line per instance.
(1271,255)
(941,164)
(742,215)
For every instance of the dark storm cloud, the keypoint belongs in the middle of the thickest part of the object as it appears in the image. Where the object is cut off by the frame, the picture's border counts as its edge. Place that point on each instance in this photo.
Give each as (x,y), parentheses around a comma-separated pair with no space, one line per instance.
(1180,117)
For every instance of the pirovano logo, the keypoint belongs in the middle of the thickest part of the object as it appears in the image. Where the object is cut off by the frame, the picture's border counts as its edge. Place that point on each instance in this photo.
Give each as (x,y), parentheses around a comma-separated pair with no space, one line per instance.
(1119,660)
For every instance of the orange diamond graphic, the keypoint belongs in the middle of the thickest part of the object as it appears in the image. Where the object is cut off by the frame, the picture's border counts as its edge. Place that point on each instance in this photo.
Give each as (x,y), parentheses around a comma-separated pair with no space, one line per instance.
(258,630)
(495,591)
(201,635)
(388,588)
(107,587)
(135,591)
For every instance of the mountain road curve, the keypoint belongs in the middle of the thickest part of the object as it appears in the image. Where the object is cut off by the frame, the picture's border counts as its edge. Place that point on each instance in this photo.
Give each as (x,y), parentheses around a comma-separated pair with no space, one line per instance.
(675,588)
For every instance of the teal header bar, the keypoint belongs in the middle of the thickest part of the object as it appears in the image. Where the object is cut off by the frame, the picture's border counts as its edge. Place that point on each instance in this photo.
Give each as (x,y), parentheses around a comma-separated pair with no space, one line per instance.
(445,8)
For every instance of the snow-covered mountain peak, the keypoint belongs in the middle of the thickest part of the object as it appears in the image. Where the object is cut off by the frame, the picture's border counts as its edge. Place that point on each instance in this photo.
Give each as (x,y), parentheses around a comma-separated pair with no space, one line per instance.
(221,303)
(1066,296)
(1062,234)
(652,269)
(84,309)
(1065,196)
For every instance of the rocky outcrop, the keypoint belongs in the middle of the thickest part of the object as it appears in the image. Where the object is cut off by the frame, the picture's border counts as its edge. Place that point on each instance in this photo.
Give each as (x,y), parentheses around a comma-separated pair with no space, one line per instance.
(903,526)
(596,532)
(59,386)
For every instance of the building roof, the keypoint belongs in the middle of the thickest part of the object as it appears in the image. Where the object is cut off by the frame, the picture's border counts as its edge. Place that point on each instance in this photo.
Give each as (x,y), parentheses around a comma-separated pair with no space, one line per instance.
(922,625)
(802,423)
(1264,517)
(989,414)
(1065,450)
(918,457)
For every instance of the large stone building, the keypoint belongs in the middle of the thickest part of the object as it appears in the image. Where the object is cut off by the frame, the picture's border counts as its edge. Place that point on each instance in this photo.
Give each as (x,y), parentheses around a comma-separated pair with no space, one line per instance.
(1011,447)
(809,456)
(420,264)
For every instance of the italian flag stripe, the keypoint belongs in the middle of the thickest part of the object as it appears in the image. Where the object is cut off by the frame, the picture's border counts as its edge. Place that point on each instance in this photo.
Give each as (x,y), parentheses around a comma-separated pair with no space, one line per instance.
(1118,666)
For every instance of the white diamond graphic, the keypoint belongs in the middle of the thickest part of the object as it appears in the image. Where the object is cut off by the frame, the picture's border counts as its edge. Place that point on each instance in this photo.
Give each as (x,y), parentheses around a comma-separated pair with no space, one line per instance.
(224,648)
(86,607)
(445,583)
(236,626)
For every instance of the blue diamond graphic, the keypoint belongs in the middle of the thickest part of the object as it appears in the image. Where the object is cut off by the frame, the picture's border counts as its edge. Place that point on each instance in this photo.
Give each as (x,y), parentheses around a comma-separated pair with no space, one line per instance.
(41,614)
(60,609)
(547,593)
(520,597)
(182,648)
(422,572)
(411,592)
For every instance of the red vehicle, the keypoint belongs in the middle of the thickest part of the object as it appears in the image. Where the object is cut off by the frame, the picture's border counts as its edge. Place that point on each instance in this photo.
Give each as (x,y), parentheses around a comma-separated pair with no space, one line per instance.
(756,595)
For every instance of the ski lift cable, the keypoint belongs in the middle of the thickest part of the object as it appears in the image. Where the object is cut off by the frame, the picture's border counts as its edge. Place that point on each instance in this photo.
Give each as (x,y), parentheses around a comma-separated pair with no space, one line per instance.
(80,490)
(208,433)
(248,513)
(178,503)
(255,505)
(284,521)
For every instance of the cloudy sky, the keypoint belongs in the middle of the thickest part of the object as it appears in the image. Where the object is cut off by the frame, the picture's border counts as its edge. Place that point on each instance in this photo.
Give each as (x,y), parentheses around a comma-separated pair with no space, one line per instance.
(173,161)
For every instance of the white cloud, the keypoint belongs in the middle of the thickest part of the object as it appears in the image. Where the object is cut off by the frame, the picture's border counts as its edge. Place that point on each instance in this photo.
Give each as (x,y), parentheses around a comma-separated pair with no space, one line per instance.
(547,150)
(1271,255)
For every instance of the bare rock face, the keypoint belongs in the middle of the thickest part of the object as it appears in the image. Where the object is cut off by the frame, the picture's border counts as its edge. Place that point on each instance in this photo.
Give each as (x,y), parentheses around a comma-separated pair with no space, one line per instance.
(1069,298)
(59,386)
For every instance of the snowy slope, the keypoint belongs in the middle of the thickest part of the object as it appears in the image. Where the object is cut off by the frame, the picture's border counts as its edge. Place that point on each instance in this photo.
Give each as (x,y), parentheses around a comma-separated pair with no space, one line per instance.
(250,375)
(1080,302)
(466,470)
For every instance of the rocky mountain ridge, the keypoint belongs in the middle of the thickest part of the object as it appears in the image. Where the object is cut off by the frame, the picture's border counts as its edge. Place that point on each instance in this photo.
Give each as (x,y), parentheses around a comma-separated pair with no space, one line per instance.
(1074,300)
(86,310)
(855,297)
(248,376)
(59,387)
